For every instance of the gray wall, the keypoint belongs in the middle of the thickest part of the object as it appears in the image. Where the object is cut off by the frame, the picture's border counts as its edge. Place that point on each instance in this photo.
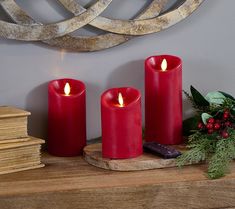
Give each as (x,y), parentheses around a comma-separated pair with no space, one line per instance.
(205,41)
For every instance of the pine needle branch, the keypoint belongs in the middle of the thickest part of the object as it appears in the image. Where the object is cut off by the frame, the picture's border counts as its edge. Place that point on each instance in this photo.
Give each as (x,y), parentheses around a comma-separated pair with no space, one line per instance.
(220,161)
(200,148)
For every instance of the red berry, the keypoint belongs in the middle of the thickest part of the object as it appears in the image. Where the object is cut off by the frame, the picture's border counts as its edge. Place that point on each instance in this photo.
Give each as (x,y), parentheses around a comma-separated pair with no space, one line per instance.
(225,134)
(225,115)
(209,126)
(210,131)
(228,124)
(226,111)
(216,126)
(200,126)
(211,120)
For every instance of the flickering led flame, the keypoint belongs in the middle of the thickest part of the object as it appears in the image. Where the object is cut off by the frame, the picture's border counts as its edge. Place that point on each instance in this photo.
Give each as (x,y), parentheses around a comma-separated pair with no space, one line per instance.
(120,100)
(67,89)
(164,65)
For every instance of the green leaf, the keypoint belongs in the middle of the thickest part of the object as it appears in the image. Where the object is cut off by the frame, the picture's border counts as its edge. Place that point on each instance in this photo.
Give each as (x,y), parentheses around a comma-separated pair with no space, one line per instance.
(205,117)
(227,95)
(198,98)
(215,97)
(232,111)
(190,124)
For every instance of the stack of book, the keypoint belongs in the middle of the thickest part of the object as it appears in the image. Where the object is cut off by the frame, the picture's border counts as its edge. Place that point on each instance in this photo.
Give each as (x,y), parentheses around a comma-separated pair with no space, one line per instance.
(18,151)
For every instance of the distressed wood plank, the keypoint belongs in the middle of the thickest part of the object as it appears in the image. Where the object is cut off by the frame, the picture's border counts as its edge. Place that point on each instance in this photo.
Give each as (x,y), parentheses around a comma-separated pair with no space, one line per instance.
(72,183)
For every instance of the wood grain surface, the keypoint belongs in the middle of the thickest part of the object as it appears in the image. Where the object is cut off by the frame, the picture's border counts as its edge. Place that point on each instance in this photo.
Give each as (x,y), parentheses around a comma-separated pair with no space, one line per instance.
(93,155)
(72,183)
(12,112)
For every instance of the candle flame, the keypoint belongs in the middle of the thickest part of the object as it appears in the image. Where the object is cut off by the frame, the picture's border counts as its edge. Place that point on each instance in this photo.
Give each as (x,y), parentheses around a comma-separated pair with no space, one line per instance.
(67,89)
(164,65)
(120,99)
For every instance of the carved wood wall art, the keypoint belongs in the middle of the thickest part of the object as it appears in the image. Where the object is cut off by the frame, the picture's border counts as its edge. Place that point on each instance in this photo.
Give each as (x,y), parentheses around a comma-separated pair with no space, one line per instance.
(152,19)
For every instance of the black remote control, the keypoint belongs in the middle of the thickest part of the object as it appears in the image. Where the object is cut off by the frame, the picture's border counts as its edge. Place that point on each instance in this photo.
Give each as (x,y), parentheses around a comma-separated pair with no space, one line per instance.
(161,150)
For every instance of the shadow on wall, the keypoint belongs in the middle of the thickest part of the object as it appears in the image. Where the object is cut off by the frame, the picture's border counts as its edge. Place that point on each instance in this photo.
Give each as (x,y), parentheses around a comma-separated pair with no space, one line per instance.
(36,103)
(205,75)
(93,92)
(130,74)
(188,111)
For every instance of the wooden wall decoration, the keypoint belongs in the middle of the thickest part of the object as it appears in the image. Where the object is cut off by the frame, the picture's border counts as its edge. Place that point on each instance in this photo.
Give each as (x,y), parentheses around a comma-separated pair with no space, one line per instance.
(152,19)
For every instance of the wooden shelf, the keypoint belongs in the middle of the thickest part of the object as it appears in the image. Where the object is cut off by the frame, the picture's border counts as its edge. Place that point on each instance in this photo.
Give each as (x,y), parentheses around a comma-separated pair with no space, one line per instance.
(72,183)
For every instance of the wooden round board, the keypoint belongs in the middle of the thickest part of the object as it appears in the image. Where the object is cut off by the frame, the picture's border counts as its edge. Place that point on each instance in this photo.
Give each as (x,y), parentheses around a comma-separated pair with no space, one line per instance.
(93,155)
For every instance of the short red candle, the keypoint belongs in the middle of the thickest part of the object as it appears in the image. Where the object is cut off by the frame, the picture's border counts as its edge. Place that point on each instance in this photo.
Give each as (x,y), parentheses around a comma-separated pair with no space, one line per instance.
(121,124)
(66,117)
(163,99)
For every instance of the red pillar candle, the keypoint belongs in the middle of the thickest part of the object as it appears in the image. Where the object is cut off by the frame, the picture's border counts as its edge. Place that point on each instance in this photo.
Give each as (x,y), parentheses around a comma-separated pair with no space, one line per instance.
(121,123)
(66,117)
(163,99)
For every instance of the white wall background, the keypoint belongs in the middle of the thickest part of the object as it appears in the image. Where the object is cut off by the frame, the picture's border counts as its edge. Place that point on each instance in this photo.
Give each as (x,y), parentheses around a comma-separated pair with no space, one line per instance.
(205,41)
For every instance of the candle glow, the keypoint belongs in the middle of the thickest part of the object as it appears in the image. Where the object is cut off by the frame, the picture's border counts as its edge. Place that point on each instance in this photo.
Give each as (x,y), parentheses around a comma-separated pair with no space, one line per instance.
(120,100)
(164,65)
(67,89)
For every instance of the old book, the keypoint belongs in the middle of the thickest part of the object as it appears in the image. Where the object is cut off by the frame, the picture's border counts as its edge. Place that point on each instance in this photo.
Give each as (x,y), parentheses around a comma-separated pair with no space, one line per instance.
(13,124)
(5,141)
(22,155)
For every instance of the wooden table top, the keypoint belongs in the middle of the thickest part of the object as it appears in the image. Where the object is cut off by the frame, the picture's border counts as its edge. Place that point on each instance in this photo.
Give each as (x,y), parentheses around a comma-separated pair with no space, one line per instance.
(71,181)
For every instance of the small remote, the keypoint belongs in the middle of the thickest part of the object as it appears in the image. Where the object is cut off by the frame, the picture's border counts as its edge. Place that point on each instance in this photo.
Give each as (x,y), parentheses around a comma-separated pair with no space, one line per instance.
(162,150)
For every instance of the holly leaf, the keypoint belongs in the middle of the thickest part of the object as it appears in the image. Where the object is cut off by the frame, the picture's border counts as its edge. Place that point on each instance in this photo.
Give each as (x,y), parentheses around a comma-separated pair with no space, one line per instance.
(190,124)
(205,117)
(227,95)
(198,98)
(215,97)
(232,111)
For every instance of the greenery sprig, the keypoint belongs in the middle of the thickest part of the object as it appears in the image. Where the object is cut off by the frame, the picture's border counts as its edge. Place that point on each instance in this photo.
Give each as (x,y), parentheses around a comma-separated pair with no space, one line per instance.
(211,132)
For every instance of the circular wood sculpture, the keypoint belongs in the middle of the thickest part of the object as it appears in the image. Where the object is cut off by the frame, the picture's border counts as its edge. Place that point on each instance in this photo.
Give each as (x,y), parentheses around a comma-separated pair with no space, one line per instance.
(151,20)
(93,155)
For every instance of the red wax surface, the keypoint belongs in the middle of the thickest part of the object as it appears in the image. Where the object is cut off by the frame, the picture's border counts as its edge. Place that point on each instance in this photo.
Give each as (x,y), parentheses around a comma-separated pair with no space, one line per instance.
(163,100)
(121,126)
(66,118)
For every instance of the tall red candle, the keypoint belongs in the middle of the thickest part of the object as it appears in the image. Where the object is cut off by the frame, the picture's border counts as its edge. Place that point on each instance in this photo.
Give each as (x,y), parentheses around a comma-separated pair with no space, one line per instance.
(163,99)
(121,123)
(66,117)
